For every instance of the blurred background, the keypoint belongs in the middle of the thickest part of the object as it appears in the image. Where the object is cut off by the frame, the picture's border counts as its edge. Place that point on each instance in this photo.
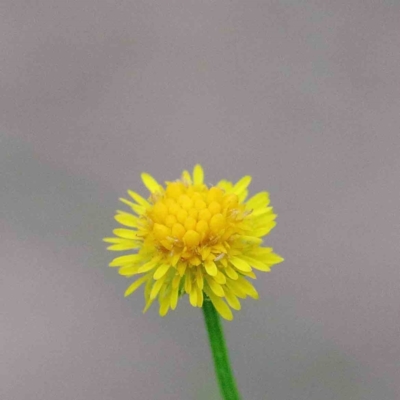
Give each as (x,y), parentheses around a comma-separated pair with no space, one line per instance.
(302,95)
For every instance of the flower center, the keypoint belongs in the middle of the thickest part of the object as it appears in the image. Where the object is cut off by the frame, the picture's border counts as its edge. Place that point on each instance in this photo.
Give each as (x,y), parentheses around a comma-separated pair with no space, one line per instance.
(186,219)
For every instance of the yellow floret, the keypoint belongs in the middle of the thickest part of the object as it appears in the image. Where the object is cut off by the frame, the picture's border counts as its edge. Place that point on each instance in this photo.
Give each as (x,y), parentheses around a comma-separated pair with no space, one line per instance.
(191,238)
(161,231)
(217,223)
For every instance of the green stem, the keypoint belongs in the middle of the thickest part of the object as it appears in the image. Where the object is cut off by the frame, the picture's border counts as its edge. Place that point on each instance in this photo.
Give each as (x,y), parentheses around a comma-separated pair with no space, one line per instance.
(219,351)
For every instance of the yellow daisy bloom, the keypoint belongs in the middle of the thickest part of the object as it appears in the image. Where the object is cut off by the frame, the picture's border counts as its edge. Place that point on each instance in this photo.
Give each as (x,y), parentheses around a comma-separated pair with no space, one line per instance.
(191,238)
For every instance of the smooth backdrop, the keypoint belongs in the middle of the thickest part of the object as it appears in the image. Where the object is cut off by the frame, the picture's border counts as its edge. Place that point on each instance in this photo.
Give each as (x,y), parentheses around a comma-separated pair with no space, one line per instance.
(302,95)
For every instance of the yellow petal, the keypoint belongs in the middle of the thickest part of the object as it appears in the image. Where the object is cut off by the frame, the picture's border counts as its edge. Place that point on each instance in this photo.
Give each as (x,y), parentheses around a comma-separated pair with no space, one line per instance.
(220,306)
(273,258)
(188,283)
(174,259)
(150,183)
(220,278)
(128,270)
(257,212)
(225,185)
(148,266)
(247,287)
(262,251)
(176,281)
(249,274)
(231,272)
(164,306)
(259,200)
(124,244)
(127,220)
(161,271)
(211,268)
(139,199)
(117,240)
(181,268)
(232,300)
(174,298)
(193,296)
(156,287)
(123,260)
(186,177)
(199,278)
(135,207)
(205,252)
(235,288)
(215,287)
(135,285)
(241,185)
(198,174)
(251,239)
(200,298)
(125,233)
(242,196)
(149,302)
(257,264)
(264,231)
(240,264)
(264,219)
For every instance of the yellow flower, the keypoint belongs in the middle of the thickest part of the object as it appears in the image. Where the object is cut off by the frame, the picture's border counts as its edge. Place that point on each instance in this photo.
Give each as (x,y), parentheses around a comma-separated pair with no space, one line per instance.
(194,239)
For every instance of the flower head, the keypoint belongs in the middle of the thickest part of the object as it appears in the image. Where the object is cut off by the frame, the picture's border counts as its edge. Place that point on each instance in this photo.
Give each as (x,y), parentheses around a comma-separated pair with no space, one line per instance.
(190,238)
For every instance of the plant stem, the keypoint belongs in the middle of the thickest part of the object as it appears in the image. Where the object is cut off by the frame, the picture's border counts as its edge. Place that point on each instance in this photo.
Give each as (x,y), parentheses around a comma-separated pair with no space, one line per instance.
(219,351)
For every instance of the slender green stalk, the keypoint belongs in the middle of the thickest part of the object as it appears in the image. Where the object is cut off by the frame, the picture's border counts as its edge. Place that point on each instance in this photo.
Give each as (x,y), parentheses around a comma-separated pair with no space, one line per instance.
(219,351)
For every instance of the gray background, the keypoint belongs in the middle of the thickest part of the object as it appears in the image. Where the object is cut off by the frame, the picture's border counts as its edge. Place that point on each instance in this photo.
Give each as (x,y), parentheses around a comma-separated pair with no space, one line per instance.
(302,95)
